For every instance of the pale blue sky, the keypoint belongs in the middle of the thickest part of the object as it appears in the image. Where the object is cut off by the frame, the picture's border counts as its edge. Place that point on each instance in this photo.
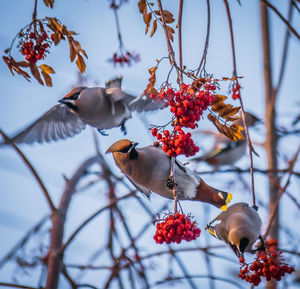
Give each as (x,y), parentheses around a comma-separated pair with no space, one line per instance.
(21,202)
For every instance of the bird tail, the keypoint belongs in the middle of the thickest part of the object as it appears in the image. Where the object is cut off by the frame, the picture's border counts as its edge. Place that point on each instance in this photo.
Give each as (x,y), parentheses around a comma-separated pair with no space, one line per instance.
(212,196)
(227,197)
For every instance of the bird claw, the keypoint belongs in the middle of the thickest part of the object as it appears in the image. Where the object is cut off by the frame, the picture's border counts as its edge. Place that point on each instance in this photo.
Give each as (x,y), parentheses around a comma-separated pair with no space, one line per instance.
(171,184)
(102,132)
(123,127)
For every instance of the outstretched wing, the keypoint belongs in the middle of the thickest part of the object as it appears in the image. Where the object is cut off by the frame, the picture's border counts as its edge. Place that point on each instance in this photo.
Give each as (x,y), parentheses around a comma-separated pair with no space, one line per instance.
(57,123)
(145,103)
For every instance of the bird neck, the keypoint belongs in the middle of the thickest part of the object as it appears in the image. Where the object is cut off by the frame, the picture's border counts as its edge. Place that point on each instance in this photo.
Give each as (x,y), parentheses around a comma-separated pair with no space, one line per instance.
(133,155)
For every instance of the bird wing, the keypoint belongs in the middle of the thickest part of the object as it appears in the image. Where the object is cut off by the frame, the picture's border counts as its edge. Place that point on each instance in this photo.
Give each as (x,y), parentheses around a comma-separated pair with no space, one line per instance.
(145,103)
(57,123)
(143,190)
(114,82)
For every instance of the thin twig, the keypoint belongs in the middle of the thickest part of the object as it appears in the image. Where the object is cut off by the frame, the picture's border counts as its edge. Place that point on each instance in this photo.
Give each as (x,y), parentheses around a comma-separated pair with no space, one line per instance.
(32,169)
(179,25)
(84,223)
(284,51)
(282,18)
(170,279)
(18,286)
(282,190)
(203,59)
(241,102)
(20,244)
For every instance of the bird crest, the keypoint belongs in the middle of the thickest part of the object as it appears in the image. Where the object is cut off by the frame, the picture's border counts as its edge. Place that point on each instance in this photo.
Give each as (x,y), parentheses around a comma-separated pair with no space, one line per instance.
(119,145)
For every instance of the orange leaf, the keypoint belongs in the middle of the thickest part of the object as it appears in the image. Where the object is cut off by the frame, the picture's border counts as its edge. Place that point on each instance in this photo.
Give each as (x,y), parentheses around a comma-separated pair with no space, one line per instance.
(72,50)
(47,78)
(154,27)
(35,72)
(80,63)
(142,6)
(147,20)
(47,69)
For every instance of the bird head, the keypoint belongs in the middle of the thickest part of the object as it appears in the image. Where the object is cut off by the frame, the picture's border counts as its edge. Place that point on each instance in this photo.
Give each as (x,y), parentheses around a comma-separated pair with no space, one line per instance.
(239,240)
(123,147)
(70,98)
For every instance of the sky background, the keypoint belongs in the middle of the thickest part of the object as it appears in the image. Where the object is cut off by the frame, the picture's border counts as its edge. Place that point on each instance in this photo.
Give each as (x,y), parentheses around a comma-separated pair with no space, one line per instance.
(21,202)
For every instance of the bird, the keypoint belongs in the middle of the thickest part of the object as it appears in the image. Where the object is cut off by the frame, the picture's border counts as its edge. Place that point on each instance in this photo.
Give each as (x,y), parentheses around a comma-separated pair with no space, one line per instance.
(239,227)
(225,151)
(148,169)
(100,107)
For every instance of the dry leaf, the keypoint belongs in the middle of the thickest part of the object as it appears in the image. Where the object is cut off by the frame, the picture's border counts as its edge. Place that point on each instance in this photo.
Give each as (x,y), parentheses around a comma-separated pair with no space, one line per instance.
(233,132)
(171,31)
(72,50)
(47,78)
(142,6)
(35,72)
(49,3)
(13,66)
(154,27)
(47,69)
(147,19)
(80,63)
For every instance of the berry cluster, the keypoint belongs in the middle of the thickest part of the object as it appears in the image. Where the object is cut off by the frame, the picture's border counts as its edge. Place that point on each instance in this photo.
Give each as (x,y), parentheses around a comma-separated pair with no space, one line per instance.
(34,45)
(235,90)
(127,58)
(175,228)
(268,264)
(177,142)
(187,106)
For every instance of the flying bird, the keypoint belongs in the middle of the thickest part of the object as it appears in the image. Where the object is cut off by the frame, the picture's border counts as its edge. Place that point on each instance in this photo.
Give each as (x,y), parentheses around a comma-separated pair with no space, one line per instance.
(148,169)
(100,107)
(225,151)
(239,227)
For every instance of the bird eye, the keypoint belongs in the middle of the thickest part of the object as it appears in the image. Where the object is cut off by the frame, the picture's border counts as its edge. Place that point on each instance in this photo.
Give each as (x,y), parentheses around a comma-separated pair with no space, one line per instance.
(126,149)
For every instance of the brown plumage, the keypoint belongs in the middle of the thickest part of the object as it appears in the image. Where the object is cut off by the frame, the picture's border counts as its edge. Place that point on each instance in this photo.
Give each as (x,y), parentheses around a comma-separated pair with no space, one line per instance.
(239,227)
(148,168)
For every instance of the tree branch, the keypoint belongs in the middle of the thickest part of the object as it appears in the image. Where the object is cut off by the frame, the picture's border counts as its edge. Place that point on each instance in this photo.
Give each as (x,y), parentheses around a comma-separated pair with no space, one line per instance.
(58,219)
(32,169)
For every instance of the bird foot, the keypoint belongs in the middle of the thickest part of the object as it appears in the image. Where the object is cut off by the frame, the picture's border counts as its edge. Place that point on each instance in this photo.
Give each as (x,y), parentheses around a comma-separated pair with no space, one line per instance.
(123,127)
(102,132)
(170,183)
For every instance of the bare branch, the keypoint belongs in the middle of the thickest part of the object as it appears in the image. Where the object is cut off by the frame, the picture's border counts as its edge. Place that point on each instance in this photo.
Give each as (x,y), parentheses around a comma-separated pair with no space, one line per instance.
(286,22)
(32,169)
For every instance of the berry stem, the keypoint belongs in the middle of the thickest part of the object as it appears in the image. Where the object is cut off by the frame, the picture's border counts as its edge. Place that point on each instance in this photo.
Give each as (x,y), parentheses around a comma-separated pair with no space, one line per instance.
(241,102)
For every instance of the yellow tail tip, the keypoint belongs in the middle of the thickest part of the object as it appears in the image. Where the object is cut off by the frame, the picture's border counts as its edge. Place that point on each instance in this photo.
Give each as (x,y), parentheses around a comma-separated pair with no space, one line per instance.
(228,199)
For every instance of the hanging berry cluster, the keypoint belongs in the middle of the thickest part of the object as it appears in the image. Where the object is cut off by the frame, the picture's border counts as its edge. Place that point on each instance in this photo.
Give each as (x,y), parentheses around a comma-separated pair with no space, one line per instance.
(187,106)
(235,90)
(268,264)
(175,228)
(126,58)
(33,43)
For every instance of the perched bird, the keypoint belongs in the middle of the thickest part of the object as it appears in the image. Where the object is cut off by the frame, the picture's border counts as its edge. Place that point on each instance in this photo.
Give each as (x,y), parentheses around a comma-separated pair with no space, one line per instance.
(239,227)
(103,108)
(225,151)
(148,168)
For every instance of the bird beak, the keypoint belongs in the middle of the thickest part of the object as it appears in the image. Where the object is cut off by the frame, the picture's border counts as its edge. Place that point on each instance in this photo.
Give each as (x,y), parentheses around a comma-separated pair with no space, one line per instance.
(211,230)
(235,250)
(65,100)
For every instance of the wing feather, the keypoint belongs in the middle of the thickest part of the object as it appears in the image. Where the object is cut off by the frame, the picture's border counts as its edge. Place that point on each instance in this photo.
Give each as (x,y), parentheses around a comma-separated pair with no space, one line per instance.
(57,123)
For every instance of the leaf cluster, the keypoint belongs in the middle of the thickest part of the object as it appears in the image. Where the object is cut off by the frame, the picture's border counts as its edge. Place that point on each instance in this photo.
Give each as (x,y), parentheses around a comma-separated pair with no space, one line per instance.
(229,113)
(147,16)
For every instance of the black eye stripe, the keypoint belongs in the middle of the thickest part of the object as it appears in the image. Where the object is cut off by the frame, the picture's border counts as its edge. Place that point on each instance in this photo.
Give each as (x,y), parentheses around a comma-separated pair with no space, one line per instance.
(126,149)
